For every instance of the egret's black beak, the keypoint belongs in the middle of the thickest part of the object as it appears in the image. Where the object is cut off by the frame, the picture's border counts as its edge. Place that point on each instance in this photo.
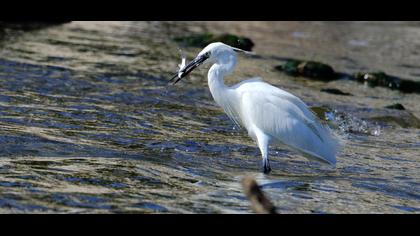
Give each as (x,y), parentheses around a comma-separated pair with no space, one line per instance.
(190,67)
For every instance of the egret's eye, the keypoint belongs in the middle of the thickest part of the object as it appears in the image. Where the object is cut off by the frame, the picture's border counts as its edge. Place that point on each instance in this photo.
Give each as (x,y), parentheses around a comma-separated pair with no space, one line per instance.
(207,54)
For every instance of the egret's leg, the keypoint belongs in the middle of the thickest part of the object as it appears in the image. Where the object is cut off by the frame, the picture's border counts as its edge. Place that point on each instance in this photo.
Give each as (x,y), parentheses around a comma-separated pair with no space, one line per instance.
(263,142)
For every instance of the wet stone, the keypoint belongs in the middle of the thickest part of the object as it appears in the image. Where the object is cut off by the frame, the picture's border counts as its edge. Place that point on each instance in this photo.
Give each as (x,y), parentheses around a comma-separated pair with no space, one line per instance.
(335,91)
(384,80)
(396,106)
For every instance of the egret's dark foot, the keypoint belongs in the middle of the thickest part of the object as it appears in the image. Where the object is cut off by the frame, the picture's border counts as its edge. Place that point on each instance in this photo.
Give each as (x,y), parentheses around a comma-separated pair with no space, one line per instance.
(266,166)
(266,170)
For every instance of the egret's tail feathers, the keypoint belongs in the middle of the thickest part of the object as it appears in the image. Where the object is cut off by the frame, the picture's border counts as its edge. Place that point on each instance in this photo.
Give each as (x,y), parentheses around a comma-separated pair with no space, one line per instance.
(325,152)
(325,158)
(330,160)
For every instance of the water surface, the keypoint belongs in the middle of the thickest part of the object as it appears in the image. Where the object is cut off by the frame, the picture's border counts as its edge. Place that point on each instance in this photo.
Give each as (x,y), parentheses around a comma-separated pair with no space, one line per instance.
(88,123)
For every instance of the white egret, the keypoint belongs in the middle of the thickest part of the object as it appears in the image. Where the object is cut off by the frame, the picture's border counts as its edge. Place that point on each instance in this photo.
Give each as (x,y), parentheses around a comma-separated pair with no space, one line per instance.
(269,114)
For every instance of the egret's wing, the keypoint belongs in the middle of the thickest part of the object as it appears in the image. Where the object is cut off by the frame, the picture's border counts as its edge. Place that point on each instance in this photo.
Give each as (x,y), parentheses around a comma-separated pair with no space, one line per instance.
(231,103)
(288,120)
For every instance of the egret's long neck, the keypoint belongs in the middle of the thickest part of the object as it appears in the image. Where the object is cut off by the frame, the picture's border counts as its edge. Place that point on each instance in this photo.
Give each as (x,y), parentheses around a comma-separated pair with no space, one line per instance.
(223,95)
(215,80)
(216,74)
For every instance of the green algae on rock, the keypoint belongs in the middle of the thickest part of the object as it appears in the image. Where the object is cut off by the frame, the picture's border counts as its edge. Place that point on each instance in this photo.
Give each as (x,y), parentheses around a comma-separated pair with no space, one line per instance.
(383,80)
(320,111)
(311,69)
(202,40)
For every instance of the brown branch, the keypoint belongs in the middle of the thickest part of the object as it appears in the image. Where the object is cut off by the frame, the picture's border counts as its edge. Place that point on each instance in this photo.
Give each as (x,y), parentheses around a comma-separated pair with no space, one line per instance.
(259,202)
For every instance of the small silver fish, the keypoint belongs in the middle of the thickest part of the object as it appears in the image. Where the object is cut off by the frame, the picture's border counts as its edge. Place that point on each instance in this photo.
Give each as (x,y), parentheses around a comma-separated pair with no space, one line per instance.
(183,63)
(181,66)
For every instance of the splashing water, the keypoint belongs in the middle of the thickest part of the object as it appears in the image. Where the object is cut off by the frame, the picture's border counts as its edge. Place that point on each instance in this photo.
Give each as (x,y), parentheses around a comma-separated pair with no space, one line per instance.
(348,123)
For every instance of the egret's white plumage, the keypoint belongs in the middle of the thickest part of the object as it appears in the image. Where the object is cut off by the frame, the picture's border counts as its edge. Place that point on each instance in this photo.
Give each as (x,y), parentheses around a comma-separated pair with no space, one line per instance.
(269,114)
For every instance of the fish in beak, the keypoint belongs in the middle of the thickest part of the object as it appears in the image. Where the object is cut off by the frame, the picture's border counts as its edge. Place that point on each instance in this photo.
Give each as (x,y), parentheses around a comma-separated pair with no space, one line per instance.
(186,69)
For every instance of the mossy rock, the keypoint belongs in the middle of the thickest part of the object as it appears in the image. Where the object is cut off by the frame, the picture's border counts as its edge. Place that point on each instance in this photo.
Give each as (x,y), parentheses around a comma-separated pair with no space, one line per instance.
(383,80)
(311,69)
(320,111)
(335,91)
(202,40)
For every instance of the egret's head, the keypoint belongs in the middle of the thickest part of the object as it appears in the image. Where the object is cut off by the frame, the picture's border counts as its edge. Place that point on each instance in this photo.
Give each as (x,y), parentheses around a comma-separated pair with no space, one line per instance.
(213,52)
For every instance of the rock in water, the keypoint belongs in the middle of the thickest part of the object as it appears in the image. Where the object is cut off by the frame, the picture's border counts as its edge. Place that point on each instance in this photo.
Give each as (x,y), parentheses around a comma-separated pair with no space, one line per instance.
(202,40)
(403,119)
(383,80)
(310,69)
(396,106)
(335,91)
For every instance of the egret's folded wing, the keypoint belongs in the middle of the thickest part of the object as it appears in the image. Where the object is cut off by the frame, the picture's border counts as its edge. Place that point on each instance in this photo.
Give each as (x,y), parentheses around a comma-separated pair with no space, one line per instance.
(288,120)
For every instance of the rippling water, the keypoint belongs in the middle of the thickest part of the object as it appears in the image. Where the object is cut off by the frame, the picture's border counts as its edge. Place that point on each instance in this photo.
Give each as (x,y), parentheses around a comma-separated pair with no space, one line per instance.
(88,123)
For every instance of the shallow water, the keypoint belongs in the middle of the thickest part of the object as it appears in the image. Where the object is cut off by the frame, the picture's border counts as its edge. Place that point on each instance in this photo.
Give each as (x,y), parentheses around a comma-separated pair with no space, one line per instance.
(89,125)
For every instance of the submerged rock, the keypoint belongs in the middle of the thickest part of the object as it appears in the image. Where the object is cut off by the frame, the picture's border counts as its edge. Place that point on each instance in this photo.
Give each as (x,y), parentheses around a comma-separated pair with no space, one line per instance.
(389,117)
(310,69)
(403,119)
(202,40)
(366,120)
(383,80)
(396,106)
(335,91)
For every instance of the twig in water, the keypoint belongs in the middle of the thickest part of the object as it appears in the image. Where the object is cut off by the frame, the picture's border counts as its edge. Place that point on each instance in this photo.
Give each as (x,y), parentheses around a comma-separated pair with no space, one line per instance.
(259,202)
